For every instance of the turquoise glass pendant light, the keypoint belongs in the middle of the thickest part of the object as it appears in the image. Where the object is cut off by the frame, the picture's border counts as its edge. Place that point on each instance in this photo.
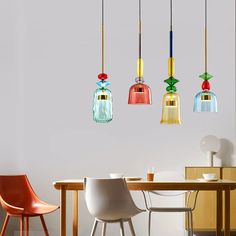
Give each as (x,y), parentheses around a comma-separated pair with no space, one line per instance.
(205,100)
(102,101)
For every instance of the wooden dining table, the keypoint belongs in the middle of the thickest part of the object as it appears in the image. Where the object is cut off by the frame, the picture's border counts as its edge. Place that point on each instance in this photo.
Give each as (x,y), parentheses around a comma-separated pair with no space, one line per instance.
(220,187)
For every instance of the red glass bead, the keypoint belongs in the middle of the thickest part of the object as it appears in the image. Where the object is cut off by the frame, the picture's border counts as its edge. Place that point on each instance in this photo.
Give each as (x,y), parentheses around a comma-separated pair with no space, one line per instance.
(102,76)
(206,85)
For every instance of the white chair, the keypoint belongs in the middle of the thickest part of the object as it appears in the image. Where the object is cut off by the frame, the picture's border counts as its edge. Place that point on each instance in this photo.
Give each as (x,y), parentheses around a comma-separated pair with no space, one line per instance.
(110,201)
(171,176)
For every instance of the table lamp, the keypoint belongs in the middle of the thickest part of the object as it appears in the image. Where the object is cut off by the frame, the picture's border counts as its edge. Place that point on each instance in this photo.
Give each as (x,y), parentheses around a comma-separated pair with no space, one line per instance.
(210,145)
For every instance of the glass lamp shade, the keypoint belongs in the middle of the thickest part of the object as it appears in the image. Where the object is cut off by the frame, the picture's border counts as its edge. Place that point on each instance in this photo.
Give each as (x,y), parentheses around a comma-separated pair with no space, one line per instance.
(102,105)
(171,109)
(205,101)
(140,94)
(210,143)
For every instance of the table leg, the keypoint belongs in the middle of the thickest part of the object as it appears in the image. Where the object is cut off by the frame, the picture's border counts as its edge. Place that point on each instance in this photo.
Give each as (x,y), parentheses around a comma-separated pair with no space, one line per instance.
(219,212)
(75,213)
(227,213)
(63,212)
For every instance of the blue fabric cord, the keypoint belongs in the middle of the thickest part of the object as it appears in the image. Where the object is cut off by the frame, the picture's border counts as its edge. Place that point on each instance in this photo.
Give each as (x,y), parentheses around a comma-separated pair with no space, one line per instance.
(171,43)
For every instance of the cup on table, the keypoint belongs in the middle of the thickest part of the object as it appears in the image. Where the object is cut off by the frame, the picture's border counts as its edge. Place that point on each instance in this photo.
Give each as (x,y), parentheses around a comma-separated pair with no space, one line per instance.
(209,176)
(150,174)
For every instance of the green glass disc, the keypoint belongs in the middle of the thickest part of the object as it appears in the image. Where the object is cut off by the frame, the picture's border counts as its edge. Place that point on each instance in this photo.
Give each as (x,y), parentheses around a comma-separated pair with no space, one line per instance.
(171,81)
(206,76)
(171,88)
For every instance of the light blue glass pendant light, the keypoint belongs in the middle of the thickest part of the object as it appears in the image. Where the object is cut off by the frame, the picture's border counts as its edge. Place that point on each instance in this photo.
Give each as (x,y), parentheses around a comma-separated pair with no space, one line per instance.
(205,101)
(102,101)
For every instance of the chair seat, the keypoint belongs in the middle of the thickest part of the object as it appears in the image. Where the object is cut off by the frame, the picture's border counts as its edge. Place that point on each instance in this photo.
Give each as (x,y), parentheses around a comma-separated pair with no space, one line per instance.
(120,215)
(170,209)
(39,209)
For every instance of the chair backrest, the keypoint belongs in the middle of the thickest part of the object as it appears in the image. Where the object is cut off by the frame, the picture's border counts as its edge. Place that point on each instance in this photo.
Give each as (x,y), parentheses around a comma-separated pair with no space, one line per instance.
(169,176)
(109,199)
(165,176)
(16,190)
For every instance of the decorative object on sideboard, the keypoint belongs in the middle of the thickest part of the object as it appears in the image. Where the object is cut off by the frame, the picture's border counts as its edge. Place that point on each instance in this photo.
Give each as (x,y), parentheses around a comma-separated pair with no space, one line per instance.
(171,100)
(205,101)
(210,145)
(140,93)
(116,175)
(102,101)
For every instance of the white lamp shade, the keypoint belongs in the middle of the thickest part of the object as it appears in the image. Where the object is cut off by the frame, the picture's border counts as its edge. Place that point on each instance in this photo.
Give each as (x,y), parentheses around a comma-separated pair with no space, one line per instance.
(210,143)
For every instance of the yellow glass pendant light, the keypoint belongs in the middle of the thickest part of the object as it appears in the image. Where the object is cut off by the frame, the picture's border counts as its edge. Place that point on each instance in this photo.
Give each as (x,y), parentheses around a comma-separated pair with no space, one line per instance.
(171,100)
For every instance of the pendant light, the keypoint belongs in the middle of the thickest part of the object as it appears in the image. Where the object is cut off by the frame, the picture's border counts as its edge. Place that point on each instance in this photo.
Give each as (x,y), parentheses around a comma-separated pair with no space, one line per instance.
(102,102)
(171,100)
(140,93)
(205,101)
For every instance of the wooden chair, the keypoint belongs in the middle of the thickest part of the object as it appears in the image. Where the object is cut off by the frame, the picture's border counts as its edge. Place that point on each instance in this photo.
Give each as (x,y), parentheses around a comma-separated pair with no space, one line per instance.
(18,198)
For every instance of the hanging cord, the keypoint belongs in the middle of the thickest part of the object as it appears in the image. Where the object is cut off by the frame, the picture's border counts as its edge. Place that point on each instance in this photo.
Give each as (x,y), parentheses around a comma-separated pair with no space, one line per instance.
(171,14)
(171,59)
(171,27)
(140,30)
(206,55)
(103,31)
(140,42)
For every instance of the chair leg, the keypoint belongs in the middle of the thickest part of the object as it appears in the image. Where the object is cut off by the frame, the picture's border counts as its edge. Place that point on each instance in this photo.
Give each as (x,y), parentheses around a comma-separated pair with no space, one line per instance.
(191,223)
(27,226)
(5,225)
(149,223)
(94,227)
(131,227)
(44,225)
(122,231)
(188,220)
(22,226)
(104,226)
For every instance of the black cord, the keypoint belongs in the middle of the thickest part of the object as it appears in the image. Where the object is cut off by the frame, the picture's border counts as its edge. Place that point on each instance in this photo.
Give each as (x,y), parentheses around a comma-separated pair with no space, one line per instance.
(171,14)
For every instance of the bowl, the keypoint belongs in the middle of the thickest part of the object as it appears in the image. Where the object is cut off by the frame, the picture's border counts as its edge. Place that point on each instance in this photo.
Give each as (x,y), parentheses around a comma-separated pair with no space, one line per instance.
(116,175)
(209,176)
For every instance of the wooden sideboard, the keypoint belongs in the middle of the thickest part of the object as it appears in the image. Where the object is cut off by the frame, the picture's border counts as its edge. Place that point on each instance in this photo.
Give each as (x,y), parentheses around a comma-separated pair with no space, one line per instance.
(205,213)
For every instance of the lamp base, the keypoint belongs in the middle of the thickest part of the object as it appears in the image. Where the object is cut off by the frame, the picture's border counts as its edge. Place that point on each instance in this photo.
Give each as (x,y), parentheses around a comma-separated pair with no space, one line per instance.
(210,158)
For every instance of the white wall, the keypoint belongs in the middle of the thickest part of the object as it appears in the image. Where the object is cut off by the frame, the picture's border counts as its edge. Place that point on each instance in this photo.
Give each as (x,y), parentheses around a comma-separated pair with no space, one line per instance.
(50,58)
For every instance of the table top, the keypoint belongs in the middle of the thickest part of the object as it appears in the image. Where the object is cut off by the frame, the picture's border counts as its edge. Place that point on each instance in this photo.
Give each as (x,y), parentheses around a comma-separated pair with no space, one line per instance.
(78,184)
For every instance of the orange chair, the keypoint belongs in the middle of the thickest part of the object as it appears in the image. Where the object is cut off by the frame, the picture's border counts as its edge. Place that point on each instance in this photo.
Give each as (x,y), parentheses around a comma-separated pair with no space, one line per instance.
(19,199)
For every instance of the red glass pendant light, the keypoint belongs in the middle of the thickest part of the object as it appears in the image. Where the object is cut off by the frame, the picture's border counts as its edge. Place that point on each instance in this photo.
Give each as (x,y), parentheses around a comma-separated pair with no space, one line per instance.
(140,93)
